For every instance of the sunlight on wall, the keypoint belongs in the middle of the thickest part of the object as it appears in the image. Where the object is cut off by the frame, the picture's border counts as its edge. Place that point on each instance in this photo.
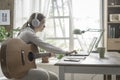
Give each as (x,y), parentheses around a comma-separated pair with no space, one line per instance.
(86,14)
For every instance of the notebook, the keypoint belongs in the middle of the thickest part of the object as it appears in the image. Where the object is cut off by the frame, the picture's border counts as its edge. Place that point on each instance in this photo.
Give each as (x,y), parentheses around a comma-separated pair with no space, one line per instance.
(88,51)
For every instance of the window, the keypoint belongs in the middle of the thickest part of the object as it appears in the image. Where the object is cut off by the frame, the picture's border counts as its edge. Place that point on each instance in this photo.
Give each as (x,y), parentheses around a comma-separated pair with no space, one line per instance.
(63,16)
(87,14)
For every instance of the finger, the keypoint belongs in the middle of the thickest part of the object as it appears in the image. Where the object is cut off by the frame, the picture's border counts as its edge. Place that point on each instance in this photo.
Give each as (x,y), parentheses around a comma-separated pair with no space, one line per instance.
(74,51)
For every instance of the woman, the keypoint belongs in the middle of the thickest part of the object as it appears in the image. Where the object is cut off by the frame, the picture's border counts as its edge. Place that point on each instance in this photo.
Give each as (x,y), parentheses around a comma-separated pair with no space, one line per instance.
(36,23)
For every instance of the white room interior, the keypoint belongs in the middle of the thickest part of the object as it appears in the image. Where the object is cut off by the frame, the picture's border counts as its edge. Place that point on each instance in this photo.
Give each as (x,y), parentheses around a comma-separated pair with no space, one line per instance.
(62,18)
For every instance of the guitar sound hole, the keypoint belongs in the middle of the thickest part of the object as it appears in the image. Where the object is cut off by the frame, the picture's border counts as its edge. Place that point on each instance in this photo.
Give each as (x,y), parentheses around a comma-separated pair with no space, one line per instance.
(30,56)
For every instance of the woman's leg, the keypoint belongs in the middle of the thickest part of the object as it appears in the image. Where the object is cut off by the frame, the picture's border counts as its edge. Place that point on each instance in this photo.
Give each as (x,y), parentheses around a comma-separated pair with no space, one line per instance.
(53,76)
(40,74)
(36,74)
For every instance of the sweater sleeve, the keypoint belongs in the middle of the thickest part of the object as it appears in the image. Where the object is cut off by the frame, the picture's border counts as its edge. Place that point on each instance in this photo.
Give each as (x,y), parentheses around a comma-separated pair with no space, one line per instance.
(31,37)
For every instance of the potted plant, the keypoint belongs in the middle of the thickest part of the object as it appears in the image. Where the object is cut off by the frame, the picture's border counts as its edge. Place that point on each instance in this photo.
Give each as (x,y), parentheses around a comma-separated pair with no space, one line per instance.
(4,34)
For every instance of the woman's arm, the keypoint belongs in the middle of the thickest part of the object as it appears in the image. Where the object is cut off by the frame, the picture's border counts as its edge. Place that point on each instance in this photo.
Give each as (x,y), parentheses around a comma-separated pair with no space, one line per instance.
(31,37)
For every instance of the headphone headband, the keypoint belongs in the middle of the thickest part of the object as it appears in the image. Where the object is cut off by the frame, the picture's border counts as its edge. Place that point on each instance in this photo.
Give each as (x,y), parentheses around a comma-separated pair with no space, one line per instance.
(36,14)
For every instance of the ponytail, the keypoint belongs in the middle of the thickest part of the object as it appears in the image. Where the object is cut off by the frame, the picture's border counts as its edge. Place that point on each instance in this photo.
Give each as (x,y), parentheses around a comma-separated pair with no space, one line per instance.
(25,25)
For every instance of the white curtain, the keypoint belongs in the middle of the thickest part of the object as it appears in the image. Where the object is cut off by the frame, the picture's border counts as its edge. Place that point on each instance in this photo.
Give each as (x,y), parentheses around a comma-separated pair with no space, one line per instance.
(24,8)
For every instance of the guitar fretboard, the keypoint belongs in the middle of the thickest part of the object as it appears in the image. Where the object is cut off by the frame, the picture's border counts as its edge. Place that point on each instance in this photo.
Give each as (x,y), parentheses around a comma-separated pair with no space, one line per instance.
(42,55)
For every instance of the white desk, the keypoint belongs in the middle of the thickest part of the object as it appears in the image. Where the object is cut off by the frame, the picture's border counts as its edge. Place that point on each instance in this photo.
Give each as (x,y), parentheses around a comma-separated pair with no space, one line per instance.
(91,65)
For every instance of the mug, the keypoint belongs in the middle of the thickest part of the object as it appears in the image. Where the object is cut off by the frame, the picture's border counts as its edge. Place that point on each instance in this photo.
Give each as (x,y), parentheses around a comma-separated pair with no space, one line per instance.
(101,51)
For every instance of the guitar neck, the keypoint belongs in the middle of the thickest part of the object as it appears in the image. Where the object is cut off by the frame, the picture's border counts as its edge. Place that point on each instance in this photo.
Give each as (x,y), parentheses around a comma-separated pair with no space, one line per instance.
(42,55)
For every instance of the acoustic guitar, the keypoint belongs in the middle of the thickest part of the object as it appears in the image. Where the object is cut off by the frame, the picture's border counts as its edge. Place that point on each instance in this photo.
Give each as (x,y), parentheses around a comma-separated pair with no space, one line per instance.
(17,57)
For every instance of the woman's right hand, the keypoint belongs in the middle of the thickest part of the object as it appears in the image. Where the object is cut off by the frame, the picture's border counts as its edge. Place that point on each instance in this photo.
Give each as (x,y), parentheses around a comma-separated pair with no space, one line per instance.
(68,53)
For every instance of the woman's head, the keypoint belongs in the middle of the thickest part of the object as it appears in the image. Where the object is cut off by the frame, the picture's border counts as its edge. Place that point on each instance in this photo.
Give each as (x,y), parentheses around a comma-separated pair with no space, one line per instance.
(36,21)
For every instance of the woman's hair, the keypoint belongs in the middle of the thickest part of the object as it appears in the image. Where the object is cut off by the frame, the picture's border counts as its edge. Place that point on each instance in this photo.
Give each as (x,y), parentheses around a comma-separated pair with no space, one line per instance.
(29,22)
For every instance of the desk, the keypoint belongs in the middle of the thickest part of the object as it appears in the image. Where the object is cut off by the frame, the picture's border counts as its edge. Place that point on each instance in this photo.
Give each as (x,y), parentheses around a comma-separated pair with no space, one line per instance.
(91,65)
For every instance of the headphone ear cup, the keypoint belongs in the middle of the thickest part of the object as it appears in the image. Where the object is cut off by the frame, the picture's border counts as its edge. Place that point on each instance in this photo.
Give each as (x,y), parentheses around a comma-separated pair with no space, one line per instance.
(35,22)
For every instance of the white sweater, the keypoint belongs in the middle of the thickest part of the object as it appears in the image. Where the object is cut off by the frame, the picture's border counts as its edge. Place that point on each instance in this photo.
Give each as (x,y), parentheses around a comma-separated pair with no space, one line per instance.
(29,36)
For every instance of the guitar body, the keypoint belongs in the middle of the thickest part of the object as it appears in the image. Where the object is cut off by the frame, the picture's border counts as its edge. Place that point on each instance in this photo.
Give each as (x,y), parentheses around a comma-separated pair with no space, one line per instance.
(17,58)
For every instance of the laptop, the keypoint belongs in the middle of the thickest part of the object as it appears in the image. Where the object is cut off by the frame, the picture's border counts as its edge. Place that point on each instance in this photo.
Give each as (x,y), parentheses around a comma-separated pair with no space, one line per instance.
(89,50)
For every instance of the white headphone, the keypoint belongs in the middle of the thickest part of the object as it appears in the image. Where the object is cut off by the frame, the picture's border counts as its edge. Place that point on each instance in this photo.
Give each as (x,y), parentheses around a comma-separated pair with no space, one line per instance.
(35,21)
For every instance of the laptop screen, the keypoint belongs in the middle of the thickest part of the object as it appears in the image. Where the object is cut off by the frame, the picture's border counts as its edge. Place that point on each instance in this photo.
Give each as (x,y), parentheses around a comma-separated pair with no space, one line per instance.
(89,50)
(92,44)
